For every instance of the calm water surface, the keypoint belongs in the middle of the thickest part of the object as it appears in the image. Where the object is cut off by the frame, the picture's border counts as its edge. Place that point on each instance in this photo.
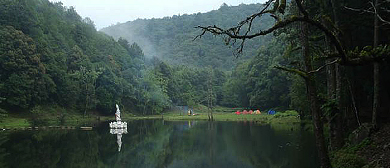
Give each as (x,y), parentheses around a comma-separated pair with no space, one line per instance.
(155,143)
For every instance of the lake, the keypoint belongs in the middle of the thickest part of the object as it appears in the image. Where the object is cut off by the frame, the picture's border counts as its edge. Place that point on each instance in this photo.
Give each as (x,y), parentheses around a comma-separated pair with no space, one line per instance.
(158,143)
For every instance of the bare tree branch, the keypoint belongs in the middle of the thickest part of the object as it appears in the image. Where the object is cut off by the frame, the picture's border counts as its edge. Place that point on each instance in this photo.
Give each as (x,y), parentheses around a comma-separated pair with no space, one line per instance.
(252,17)
(371,10)
(323,66)
(294,71)
(218,31)
(377,14)
(359,10)
(234,31)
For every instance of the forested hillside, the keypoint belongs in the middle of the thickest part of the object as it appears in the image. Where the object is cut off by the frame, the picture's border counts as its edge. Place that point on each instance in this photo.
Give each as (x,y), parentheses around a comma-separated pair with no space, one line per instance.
(172,38)
(248,80)
(50,56)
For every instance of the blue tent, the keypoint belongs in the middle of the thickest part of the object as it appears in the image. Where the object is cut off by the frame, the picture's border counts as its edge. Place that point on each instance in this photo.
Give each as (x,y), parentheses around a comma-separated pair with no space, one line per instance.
(271,112)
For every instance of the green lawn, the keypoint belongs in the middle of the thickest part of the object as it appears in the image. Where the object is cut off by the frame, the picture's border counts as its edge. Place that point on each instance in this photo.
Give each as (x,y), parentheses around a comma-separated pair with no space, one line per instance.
(222,114)
(76,119)
(11,122)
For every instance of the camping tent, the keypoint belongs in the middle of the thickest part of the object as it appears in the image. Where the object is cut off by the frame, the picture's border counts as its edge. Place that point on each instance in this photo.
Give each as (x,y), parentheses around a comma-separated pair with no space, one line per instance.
(271,112)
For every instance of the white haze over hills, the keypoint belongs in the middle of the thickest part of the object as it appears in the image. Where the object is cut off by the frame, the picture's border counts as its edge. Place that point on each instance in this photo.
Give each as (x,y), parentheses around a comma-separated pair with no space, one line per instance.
(108,12)
(130,19)
(172,38)
(130,33)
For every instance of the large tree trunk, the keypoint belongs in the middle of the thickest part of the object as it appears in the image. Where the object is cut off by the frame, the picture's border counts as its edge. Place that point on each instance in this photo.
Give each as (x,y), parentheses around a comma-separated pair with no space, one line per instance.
(314,104)
(210,95)
(375,104)
(334,93)
(318,125)
(336,116)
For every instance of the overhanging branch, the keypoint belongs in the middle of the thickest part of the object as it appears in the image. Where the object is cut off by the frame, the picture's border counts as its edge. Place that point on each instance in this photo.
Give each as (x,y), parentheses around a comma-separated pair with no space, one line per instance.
(293,70)
(323,66)
(368,55)
(218,31)
(375,12)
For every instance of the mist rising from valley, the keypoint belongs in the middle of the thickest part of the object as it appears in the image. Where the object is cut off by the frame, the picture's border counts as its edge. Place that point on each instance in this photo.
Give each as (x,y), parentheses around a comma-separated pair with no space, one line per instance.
(171,39)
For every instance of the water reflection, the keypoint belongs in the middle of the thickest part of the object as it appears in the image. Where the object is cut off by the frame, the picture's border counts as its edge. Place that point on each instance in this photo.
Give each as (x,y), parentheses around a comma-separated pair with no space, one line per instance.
(162,144)
(118,133)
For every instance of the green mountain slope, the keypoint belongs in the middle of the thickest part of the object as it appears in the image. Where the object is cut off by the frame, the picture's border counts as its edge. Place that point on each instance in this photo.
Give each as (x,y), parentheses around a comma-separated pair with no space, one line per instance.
(49,55)
(172,38)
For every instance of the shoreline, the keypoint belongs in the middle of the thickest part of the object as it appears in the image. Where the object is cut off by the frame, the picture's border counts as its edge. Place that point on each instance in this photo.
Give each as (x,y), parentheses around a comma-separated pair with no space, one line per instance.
(24,122)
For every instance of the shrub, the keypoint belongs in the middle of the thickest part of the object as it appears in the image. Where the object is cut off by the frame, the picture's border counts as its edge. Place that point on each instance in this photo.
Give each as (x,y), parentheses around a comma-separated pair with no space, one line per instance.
(344,159)
(286,113)
(37,116)
(347,157)
(3,114)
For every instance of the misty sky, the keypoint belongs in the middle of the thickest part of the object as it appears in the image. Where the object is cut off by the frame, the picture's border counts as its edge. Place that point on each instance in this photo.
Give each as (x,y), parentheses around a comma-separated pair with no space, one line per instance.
(107,12)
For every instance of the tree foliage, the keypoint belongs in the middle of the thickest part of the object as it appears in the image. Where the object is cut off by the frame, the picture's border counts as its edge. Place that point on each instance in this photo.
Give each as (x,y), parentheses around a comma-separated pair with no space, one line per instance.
(50,55)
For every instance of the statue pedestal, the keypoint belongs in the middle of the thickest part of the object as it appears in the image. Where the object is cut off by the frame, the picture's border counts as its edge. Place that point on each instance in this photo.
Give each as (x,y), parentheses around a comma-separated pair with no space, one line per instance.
(118,131)
(118,124)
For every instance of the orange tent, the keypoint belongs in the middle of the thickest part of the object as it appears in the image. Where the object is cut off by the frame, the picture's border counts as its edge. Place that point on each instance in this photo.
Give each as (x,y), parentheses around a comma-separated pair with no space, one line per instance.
(257,112)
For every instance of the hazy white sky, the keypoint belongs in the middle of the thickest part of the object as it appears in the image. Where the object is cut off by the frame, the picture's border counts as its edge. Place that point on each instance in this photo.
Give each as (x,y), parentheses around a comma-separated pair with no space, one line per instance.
(107,12)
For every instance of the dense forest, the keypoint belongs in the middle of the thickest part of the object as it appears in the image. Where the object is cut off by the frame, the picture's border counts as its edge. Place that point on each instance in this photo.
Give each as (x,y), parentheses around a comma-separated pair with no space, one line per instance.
(50,56)
(247,79)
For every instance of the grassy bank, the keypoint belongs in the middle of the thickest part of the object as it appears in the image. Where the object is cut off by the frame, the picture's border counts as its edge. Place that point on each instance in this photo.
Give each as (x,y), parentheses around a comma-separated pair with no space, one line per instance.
(49,116)
(225,114)
(44,116)
(70,119)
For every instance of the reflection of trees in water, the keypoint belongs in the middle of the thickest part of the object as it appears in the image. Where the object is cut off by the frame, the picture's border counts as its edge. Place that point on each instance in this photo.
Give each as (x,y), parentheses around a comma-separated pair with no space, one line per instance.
(157,144)
(48,148)
(3,152)
(212,136)
(146,145)
(216,144)
(224,144)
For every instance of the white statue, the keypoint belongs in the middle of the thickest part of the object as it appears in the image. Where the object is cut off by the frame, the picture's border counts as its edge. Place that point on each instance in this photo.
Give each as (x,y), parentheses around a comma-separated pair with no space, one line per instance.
(118,123)
(118,127)
(118,113)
